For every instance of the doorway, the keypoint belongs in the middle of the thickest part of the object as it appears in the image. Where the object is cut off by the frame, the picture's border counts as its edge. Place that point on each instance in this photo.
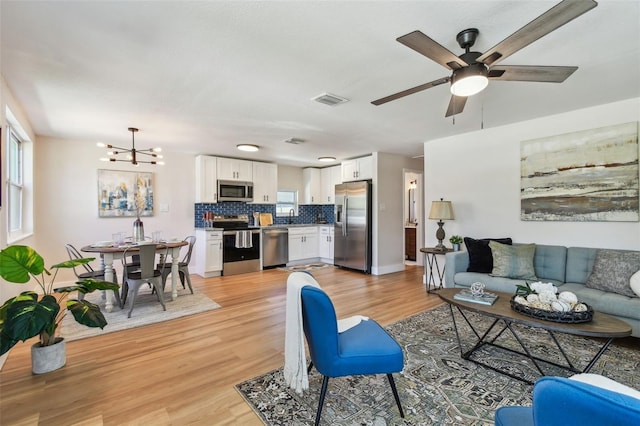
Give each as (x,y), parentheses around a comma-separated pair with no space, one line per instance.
(413,217)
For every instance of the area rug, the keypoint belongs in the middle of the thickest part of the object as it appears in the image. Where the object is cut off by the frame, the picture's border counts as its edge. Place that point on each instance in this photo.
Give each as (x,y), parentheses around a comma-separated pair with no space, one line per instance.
(308,267)
(436,387)
(147,310)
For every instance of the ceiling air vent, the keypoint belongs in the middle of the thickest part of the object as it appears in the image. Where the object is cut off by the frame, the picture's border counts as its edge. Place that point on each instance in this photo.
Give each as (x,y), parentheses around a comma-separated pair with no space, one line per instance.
(329,99)
(294,141)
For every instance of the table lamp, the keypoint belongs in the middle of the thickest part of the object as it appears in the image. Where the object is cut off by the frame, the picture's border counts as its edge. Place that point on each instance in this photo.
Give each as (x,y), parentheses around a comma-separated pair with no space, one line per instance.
(441,210)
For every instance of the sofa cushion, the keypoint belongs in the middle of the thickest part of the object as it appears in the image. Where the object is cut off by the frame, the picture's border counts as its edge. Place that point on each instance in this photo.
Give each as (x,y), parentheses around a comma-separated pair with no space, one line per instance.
(612,271)
(579,264)
(604,301)
(550,263)
(513,261)
(480,257)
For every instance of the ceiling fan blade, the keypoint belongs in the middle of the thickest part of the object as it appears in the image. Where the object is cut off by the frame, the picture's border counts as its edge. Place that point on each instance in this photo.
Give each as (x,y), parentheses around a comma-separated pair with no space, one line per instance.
(545,74)
(549,21)
(433,50)
(411,91)
(456,105)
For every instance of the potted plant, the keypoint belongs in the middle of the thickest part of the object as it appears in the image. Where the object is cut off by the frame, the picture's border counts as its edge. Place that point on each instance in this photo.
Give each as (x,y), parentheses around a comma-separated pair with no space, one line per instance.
(456,240)
(31,314)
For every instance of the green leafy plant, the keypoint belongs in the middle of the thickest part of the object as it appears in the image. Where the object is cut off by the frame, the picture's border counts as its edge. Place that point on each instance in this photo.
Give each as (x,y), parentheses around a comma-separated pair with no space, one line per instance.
(524,290)
(30,314)
(455,239)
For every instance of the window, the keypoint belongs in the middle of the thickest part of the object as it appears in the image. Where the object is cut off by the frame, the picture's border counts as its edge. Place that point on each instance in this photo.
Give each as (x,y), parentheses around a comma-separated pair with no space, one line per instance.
(19,180)
(286,201)
(15,174)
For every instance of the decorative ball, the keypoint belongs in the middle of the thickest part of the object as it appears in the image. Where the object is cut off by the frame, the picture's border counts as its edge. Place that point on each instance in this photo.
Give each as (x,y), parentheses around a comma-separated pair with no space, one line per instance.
(560,306)
(567,296)
(477,289)
(532,298)
(580,307)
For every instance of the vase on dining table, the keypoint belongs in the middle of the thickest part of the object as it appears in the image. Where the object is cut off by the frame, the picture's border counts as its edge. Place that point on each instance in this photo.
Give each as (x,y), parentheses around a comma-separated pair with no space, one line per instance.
(138,230)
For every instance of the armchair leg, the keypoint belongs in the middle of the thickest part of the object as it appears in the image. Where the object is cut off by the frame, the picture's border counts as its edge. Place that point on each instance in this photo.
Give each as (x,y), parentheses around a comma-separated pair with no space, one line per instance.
(395,393)
(325,382)
(310,367)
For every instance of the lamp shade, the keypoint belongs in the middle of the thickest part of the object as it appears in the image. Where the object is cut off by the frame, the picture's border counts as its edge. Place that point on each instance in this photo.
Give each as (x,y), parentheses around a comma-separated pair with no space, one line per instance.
(441,210)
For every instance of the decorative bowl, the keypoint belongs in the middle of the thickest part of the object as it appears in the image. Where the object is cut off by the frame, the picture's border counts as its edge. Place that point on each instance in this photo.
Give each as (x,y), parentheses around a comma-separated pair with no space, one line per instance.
(569,317)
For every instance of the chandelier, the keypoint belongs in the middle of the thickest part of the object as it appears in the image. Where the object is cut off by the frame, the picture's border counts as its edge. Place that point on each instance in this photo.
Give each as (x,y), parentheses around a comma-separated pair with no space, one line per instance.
(133,155)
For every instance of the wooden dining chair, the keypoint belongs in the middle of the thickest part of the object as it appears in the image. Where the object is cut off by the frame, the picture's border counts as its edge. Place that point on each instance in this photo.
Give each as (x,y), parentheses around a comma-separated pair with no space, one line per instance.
(89,272)
(183,265)
(146,274)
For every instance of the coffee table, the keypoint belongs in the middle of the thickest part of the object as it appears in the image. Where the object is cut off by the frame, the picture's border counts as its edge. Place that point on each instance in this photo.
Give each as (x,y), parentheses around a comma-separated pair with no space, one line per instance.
(602,326)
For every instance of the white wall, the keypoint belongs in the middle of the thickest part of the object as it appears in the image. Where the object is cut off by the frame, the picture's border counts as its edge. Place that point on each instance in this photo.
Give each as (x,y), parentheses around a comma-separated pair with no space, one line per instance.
(388,214)
(7,100)
(67,200)
(480,173)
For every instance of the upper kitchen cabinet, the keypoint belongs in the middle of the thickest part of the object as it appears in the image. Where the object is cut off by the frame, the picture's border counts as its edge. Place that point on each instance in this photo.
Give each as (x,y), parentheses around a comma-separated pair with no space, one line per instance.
(206,185)
(312,186)
(357,169)
(234,169)
(329,178)
(265,183)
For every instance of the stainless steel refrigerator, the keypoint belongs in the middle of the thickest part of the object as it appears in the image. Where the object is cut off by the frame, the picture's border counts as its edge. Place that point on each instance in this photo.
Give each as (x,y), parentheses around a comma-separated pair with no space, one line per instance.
(352,228)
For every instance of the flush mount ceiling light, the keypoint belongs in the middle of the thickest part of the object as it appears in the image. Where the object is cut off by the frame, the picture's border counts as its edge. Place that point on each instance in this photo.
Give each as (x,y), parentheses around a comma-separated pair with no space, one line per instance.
(132,155)
(326,159)
(248,147)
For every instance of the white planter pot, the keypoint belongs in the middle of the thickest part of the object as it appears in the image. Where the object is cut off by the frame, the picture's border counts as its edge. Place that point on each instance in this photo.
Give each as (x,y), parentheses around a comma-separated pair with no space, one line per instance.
(456,247)
(48,358)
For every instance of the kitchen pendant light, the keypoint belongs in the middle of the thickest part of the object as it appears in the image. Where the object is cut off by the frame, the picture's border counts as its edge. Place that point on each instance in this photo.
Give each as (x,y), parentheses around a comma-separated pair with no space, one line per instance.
(132,155)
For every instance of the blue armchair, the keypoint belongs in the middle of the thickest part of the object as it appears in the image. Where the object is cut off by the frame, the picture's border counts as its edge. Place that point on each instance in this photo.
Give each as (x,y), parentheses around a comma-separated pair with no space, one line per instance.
(558,401)
(363,349)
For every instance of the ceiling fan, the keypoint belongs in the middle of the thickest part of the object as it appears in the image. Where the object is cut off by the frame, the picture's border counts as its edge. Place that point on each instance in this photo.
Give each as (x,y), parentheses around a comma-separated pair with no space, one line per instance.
(473,70)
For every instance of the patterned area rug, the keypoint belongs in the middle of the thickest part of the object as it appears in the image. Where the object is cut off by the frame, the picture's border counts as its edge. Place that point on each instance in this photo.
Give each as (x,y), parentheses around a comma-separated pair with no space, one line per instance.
(147,310)
(436,387)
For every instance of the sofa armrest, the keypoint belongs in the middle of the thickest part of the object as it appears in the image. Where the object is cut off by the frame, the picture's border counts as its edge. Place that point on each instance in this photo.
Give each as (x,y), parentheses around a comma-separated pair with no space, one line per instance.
(455,262)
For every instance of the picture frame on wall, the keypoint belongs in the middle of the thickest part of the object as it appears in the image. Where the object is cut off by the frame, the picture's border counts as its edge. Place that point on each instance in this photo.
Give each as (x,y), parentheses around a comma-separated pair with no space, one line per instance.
(125,194)
(585,176)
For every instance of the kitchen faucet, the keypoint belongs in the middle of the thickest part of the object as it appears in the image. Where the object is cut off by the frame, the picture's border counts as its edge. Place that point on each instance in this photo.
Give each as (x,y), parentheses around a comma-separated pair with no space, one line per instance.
(291,214)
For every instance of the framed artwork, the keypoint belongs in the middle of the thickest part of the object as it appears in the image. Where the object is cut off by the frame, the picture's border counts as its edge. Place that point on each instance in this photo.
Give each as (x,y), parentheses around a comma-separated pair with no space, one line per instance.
(590,175)
(125,194)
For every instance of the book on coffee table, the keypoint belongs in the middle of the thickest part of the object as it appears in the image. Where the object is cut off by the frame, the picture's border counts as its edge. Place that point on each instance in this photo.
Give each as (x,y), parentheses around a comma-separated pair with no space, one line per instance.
(484,299)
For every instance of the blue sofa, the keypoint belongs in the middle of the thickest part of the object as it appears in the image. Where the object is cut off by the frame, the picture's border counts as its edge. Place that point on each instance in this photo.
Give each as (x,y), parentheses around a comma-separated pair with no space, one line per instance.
(558,401)
(566,267)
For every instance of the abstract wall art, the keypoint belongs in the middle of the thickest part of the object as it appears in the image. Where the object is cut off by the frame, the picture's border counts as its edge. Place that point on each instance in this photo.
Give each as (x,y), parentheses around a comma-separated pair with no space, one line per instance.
(590,175)
(125,194)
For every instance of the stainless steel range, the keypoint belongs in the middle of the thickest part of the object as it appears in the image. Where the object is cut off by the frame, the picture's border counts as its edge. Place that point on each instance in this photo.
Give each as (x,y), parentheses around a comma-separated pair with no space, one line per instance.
(241,244)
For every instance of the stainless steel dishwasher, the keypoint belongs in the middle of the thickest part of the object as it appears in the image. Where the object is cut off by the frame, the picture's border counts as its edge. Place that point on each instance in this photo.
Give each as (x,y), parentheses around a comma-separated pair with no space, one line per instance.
(275,247)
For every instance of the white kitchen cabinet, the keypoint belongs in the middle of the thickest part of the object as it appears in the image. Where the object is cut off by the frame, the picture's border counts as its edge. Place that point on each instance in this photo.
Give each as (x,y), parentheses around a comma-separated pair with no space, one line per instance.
(325,244)
(329,178)
(265,183)
(234,169)
(303,243)
(206,175)
(208,253)
(357,169)
(312,187)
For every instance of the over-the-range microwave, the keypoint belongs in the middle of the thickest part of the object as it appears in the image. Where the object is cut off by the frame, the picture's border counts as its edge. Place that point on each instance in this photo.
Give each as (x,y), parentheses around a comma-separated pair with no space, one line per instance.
(232,190)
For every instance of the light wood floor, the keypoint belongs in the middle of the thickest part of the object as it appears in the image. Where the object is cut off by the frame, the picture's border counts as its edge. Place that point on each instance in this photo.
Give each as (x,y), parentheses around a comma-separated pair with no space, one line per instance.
(184,371)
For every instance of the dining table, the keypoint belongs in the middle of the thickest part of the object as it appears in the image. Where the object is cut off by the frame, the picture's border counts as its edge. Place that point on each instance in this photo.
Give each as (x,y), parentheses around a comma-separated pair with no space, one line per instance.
(110,253)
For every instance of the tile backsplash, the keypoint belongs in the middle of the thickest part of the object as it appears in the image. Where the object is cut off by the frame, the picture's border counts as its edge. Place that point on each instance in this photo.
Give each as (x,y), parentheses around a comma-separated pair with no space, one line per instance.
(306,213)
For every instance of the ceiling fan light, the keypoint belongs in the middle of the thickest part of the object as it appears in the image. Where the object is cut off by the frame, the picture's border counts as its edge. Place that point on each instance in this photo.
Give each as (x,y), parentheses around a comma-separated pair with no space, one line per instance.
(247,147)
(470,80)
